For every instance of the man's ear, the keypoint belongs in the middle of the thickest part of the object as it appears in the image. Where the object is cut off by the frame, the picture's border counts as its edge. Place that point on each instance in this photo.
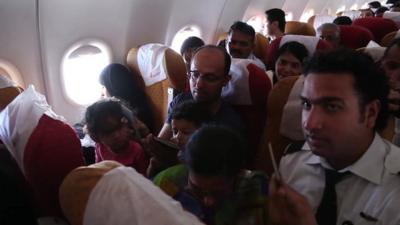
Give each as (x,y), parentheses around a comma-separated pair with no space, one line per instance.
(371,113)
(226,79)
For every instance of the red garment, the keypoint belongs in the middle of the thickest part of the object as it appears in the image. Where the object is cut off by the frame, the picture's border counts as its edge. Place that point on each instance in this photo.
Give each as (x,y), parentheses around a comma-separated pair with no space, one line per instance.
(135,157)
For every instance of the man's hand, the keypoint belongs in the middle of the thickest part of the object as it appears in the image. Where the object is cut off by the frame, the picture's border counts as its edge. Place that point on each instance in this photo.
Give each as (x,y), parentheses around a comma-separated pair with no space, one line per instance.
(288,207)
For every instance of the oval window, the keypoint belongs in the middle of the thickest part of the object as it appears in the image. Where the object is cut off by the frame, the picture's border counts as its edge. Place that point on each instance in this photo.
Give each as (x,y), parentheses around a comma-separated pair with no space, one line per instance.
(10,71)
(81,68)
(257,22)
(182,34)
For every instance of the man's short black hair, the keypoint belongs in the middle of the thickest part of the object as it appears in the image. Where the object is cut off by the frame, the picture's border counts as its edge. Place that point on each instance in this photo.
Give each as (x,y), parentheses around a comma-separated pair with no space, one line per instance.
(374,4)
(215,151)
(97,115)
(342,20)
(277,15)
(227,57)
(191,42)
(243,28)
(193,112)
(370,82)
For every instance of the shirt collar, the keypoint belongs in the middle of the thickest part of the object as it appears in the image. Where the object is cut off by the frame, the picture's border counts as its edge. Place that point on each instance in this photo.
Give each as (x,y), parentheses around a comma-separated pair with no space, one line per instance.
(369,166)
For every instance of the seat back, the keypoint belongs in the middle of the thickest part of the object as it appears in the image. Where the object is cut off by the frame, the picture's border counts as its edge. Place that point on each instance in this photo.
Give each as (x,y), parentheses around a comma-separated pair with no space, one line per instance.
(247,92)
(354,36)
(311,43)
(395,16)
(284,121)
(109,193)
(45,148)
(163,73)
(388,38)
(299,28)
(379,27)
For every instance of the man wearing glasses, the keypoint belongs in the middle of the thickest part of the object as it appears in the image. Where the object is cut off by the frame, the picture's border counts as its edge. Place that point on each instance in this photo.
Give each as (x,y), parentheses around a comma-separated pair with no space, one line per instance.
(208,74)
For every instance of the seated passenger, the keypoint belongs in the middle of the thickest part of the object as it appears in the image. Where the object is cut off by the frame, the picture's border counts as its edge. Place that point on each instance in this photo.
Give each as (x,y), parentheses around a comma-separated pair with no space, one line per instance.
(186,119)
(391,65)
(240,42)
(329,32)
(119,82)
(189,46)
(342,20)
(347,172)
(110,125)
(292,57)
(380,11)
(366,13)
(212,183)
(275,23)
(209,72)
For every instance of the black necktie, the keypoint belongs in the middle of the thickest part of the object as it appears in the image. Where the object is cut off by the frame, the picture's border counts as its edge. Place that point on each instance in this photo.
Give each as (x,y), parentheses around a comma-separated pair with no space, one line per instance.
(327,209)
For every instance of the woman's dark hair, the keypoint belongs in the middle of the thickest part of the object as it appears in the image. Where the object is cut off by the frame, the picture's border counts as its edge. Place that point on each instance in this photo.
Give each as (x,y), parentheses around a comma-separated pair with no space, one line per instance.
(296,49)
(120,83)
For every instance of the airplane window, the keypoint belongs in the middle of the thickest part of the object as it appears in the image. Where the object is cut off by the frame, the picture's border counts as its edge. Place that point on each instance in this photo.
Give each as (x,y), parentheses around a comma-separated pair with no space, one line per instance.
(9,70)
(257,22)
(182,34)
(307,15)
(81,67)
(354,7)
(289,16)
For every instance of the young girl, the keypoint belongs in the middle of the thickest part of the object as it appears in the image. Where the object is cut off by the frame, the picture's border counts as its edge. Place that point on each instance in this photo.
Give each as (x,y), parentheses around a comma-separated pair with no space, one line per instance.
(110,125)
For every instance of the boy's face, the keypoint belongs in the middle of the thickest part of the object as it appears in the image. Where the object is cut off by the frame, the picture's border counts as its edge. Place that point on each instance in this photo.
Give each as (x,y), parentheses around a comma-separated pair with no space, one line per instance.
(181,131)
(117,136)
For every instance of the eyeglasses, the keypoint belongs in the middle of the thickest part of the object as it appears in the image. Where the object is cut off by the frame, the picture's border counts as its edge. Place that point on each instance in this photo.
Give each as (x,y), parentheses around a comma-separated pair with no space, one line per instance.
(194,75)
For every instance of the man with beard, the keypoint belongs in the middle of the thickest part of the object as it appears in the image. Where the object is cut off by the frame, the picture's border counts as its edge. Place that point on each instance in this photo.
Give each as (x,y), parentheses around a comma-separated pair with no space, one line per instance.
(209,72)
(240,43)
(347,172)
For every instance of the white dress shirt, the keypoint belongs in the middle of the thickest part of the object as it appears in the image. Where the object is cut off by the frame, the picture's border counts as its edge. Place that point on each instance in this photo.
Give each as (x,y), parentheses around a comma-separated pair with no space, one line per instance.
(370,195)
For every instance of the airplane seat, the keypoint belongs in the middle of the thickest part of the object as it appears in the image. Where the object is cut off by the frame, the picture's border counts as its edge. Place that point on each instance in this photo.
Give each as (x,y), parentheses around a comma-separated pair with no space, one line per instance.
(395,16)
(109,193)
(354,36)
(388,38)
(379,27)
(299,28)
(247,92)
(375,52)
(43,145)
(76,188)
(261,45)
(312,44)
(163,73)
(283,126)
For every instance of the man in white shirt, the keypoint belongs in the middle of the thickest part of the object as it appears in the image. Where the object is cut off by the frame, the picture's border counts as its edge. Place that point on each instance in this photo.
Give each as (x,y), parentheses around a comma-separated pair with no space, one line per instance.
(344,105)
(240,43)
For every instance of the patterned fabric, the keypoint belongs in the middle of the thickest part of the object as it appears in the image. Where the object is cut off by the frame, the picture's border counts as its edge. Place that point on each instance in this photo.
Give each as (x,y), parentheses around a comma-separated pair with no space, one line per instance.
(247,204)
(135,157)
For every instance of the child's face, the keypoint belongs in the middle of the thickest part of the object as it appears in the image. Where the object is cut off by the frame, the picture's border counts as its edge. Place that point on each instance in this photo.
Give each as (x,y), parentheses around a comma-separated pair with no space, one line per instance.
(118,136)
(181,131)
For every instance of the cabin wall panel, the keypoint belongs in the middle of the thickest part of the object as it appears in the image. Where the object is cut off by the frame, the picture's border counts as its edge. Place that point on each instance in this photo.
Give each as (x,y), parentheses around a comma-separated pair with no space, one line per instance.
(19,40)
(121,24)
(296,7)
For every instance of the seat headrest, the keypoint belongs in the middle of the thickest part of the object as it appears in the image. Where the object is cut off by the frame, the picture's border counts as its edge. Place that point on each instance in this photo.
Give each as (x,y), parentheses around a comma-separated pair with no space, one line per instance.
(395,16)
(354,36)
(113,194)
(156,63)
(240,88)
(299,28)
(378,26)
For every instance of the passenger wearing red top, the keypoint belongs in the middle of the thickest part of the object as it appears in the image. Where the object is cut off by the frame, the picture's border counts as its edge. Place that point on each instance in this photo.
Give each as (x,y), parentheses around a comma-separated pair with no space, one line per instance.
(110,125)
